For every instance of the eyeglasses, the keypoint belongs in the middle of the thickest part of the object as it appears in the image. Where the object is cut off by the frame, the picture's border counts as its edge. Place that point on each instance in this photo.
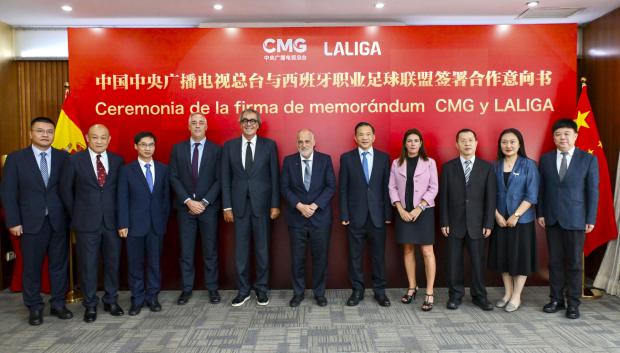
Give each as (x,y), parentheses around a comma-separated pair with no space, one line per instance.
(249,121)
(43,131)
(146,145)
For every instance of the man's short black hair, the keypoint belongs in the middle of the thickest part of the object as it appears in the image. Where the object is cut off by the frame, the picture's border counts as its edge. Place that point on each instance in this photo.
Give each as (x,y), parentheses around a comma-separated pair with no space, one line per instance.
(140,135)
(465,130)
(363,123)
(42,119)
(567,123)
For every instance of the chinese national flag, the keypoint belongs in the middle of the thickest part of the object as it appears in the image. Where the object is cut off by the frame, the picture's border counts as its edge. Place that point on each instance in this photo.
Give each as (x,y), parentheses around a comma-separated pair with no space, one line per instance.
(589,140)
(68,137)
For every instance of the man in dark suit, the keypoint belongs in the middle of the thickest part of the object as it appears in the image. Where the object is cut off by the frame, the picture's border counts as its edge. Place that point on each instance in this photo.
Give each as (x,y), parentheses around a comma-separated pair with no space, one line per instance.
(365,209)
(467,200)
(88,189)
(567,208)
(250,198)
(35,213)
(195,179)
(308,184)
(143,207)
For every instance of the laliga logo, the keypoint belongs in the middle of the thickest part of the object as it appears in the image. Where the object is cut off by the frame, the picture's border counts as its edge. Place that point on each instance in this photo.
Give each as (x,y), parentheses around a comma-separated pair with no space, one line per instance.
(279,45)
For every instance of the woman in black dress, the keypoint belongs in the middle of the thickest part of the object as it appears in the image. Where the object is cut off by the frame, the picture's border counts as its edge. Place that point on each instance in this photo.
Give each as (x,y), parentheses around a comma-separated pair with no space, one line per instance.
(413,186)
(512,251)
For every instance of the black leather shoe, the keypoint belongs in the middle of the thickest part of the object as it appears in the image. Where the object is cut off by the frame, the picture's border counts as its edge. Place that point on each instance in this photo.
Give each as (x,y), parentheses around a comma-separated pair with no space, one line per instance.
(134,310)
(382,299)
(553,306)
(36,317)
(184,298)
(572,312)
(214,297)
(321,301)
(483,304)
(355,298)
(296,300)
(154,305)
(62,313)
(453,304)
(90,315)
(114,309)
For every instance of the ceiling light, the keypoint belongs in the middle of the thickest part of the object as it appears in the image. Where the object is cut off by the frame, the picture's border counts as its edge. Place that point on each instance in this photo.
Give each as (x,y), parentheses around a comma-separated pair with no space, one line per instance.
(66,8)
(379,5)
(533,3)
(218,7)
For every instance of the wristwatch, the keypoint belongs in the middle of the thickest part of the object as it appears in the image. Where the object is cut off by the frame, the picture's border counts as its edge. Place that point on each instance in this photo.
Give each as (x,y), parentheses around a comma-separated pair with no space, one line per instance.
(204,202)
(422,207)
(517,214)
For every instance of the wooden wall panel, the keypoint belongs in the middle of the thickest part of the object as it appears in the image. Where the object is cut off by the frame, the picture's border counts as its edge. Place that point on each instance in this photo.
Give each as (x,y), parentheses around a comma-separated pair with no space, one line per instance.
(40,91)
(9,118)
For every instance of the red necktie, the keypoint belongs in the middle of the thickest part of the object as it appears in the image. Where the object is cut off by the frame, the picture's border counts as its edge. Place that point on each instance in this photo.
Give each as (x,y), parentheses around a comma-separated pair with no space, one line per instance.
(100,172)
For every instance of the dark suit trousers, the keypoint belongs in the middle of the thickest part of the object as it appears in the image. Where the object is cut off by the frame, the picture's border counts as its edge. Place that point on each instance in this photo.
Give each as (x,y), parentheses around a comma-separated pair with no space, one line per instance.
(34,248)
(565,263)
(318,238)
(375,238)
(188,227)
(456,286)
(89,246)
(258,228)
(140,249)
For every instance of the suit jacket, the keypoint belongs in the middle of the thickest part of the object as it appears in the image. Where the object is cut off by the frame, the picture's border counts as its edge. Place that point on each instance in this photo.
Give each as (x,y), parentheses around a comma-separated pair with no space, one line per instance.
(90,205)
(523,184)
(139,209)
(425,182)
(358,199)
(260,185)
(572,202)
(208,187)
(466,209)
(25,196)
(321,192)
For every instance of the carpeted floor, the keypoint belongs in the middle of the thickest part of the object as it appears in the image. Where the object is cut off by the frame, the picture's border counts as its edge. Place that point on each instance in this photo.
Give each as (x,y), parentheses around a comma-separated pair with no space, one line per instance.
(203,327)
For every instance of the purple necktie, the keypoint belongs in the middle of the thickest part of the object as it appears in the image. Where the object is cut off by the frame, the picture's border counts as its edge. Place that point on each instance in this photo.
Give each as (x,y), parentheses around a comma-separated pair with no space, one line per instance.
(195,166)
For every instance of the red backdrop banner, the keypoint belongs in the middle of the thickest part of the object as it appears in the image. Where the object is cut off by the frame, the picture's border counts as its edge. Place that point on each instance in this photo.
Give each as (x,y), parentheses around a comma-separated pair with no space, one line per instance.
(438,79)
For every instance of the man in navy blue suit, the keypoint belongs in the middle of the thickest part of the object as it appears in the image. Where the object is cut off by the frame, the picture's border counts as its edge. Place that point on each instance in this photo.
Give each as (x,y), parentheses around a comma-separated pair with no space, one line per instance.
(88,189)
(250,198)
(308,184)
(567,208)
(143,208)
(35,213)
(365,209)
(195,179)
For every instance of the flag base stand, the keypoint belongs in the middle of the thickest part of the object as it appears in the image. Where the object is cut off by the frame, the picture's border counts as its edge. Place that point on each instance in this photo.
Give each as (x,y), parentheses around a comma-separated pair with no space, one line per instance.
(586,292)
(73,296)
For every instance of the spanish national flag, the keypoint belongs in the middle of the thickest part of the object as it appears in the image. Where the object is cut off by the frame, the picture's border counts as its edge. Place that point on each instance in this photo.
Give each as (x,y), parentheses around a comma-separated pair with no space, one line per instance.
(68,137)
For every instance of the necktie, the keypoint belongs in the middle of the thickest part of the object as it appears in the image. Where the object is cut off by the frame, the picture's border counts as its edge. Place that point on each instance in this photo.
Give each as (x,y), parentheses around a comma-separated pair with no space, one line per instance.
(563,166)
(307,174)
(248,157)
(195,156)
(365,166)
(44,169)
(149,176)
(100,172)
(467,171)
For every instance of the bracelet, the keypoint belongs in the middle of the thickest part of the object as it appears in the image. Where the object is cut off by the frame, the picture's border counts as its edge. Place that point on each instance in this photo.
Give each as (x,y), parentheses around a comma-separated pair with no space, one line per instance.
(422,207)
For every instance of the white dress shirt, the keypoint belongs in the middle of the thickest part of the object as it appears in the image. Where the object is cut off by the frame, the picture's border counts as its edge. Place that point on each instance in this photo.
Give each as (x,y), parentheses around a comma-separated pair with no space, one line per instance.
(303,165)
(104,160)
(143,168)
(244,146)
(569,156)
(472,159)
(201,148)
(48,158)
(369,158)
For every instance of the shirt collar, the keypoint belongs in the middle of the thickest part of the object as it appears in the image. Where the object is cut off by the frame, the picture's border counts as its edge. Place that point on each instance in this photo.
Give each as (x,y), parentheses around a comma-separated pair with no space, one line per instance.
(370,151)
(570,152)
(201,142)
(37,152)
(307,159)
(143,163)
(253,140)
(472,159)
(93,154)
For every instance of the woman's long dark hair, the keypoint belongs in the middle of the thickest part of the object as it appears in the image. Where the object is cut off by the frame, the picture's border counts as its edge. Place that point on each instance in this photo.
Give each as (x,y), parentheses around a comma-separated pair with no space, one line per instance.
(403,150)
(520,152)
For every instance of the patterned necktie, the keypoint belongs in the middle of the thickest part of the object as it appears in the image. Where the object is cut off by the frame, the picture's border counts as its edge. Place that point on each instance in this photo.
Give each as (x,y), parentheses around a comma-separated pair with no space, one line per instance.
(307,174)
(467,171)
(44,169)
(149,176)
(249,161)
(101,174)
(195,156)
(563,165)
(365,166)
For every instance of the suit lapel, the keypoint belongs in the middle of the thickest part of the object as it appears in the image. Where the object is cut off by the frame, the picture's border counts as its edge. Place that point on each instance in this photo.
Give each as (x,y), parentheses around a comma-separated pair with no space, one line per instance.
(420,167)
(159,175)
(298,177)
(259,156)
(86,162)
(575,163)
(137,170)
(55,168)
(32,162)
(203,161)
(187,153)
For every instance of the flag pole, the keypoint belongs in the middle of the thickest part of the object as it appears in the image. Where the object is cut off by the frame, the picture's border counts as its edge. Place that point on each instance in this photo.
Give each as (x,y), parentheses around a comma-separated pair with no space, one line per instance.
(586,292)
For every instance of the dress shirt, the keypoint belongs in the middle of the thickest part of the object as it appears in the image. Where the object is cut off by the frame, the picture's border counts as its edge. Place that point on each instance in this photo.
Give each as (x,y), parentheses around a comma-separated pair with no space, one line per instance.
(244,145)
(201,148)
(48,158)
(303,164)
(569,156)
(104,160)
(369,159)
(152,164)
(473,161)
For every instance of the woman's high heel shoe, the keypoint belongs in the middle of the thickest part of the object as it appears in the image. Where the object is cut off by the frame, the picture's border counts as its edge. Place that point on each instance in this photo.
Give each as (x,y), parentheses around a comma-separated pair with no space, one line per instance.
(428,305)
(407,298)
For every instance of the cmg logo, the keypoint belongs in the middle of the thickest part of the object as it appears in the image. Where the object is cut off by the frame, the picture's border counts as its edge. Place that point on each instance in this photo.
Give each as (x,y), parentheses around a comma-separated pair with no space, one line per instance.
(279,45)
